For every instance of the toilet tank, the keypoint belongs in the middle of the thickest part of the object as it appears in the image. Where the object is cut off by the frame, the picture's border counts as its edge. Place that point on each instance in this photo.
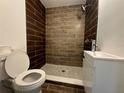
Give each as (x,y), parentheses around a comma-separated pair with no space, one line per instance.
(4,52)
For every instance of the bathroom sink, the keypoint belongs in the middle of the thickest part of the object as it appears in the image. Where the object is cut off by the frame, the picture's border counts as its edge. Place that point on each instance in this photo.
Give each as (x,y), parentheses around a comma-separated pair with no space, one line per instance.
(103,72)
(103,55)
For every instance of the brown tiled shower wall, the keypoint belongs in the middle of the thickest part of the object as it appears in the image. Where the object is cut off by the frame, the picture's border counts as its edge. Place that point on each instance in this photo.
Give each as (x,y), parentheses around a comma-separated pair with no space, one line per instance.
(91,23)
(64,35)
(35,19)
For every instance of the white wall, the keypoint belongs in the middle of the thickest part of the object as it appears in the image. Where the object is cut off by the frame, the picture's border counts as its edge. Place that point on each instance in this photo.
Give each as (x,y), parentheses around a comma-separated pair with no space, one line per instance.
(59,3)
(111,26)
(12,27)
(13,23)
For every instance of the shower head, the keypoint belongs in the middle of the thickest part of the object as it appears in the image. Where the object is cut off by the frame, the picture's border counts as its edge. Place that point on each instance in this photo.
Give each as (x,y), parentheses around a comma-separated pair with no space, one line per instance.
(84,6)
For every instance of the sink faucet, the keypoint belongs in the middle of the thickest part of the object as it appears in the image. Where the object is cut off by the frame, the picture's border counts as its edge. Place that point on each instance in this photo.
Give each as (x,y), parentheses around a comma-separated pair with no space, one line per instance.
(94,45)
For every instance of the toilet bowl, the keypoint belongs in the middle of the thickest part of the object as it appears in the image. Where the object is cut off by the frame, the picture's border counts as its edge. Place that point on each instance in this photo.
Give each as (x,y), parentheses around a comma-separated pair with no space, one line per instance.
(23,80)
(29,80)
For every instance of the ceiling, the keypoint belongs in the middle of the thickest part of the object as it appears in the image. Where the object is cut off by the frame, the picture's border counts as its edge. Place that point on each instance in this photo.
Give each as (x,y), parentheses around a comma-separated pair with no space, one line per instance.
(59,3)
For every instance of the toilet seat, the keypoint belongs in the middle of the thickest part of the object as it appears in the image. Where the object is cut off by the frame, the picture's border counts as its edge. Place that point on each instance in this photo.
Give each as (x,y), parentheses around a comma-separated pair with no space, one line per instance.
(20,84)
(20,79)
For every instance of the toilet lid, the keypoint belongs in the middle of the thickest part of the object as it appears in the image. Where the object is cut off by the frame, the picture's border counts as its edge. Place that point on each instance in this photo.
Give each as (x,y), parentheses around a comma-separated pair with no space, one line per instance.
(16,63)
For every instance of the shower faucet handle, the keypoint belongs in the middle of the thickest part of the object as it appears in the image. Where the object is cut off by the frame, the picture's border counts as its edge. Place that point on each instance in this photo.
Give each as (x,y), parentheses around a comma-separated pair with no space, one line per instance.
(94,45)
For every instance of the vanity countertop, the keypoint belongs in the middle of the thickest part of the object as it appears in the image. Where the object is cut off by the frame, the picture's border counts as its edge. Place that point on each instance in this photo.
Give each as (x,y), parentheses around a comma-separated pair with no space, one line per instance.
(103,56)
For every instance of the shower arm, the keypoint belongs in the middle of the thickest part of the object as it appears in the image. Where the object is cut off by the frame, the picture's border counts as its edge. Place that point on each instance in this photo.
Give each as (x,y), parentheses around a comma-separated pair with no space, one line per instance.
(84,6)
(87,5)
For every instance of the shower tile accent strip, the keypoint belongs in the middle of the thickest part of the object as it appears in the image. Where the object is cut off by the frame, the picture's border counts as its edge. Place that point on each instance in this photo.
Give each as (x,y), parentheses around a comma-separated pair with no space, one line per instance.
(64,35)
(35,20)
(91,23)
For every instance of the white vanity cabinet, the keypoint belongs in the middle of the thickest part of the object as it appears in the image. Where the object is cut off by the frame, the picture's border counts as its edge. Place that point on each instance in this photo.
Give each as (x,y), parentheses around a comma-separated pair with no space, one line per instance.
(103,73)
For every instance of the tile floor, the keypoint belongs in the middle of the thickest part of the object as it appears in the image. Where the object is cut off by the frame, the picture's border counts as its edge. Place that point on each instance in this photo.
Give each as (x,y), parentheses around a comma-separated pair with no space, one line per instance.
(54,87)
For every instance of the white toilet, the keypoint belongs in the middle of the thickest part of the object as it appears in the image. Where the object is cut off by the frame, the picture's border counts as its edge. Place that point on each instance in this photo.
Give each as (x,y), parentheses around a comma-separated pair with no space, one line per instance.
(23,80)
